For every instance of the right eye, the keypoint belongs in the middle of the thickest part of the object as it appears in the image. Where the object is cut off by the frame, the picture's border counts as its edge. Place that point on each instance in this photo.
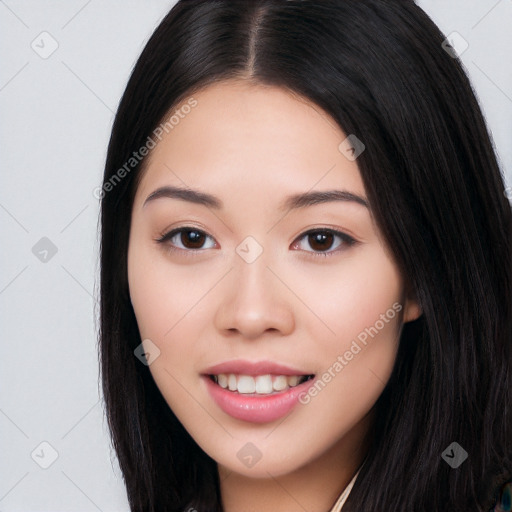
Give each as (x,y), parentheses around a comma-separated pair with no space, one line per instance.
(190,238)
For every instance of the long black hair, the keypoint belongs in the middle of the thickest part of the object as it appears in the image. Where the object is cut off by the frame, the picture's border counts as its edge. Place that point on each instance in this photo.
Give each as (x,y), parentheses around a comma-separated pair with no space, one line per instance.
(437,193)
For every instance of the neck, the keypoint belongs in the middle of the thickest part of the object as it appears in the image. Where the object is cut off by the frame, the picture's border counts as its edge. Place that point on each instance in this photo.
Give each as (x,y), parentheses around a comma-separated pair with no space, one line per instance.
(314,487)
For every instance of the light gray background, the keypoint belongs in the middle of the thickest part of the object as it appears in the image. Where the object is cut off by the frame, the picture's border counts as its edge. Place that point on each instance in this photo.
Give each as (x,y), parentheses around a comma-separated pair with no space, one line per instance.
(56,114)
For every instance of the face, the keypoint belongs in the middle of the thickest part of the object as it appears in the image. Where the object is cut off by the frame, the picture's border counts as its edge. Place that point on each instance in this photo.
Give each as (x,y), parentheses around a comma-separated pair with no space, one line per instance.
(272,323)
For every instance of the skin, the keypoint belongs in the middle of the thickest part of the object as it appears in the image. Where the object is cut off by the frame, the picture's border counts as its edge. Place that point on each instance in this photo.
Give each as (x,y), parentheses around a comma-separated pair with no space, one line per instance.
(252,146)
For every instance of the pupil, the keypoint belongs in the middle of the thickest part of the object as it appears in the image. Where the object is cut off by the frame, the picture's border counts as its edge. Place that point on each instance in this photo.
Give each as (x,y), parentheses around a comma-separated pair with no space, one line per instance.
(320,239)
(193,238)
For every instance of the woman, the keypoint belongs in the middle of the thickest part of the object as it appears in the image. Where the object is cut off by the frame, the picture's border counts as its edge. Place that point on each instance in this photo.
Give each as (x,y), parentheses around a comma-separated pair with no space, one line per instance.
(306,282)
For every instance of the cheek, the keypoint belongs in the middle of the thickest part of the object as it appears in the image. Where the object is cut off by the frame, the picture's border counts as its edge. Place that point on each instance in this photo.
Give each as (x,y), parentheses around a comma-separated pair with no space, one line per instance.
(364,311)
(164,296)
(355,297)
(357,339)
(363,308)
(165,300)
(172,305)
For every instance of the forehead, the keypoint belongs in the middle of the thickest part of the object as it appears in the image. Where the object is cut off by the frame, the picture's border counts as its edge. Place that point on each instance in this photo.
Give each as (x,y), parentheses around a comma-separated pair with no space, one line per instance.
(264,137)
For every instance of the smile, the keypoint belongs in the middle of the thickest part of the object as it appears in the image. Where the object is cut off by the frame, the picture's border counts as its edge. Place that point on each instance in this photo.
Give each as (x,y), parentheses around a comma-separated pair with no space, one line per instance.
(258,384)
(255,399)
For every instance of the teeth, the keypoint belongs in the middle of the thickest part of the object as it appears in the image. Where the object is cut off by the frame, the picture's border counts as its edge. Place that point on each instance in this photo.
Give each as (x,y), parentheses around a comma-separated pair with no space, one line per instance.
(264,384)
(246,384)
(232,382)
(293,380)
(222,380)
(280,383)
(261,384)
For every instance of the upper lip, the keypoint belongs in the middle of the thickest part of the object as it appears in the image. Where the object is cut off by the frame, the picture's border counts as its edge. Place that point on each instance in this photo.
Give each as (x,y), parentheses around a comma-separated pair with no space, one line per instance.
(243,367)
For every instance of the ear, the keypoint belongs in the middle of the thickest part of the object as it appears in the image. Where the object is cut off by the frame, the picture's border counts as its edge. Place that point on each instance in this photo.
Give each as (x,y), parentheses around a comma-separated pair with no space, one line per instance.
(412,308)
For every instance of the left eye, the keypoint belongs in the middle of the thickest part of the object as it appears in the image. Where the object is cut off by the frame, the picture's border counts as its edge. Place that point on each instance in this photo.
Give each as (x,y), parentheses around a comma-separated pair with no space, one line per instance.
(320,240)
(323,239)
(194,238)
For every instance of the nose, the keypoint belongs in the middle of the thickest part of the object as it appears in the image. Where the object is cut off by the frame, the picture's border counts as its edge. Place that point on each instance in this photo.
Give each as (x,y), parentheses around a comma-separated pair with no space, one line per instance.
(254,301)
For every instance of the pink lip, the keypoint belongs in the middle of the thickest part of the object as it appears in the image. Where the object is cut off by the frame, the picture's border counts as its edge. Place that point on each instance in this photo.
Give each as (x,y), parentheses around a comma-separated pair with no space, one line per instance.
(242,367)
(255,408)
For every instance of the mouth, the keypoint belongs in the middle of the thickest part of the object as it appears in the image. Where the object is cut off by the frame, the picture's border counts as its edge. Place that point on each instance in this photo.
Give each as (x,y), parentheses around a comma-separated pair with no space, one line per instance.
(258,385)
(259,398)
(256,391)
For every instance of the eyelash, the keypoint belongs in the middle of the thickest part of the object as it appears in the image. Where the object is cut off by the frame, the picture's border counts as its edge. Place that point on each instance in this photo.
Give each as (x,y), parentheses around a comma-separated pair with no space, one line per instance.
(347,241)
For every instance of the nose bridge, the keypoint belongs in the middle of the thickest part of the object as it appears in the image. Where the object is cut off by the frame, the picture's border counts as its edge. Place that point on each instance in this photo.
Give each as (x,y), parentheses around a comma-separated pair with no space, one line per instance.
(252,277)
(250,262)
(255,300)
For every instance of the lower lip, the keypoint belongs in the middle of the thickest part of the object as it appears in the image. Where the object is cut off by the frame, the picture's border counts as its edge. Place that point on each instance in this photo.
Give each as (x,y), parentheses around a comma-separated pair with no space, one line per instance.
(256,408)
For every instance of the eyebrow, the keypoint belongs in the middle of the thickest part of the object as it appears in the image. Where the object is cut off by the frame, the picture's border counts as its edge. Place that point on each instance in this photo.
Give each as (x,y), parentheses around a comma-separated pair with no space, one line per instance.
(293,202)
